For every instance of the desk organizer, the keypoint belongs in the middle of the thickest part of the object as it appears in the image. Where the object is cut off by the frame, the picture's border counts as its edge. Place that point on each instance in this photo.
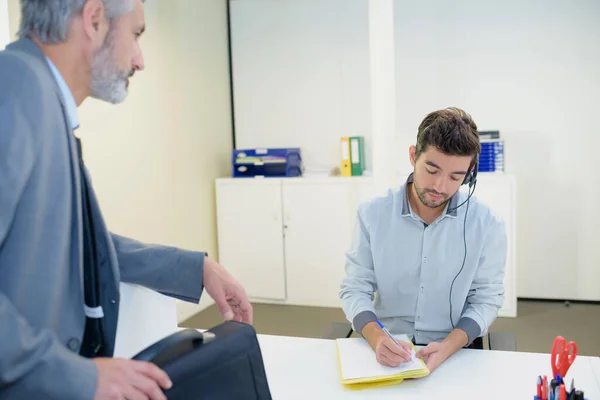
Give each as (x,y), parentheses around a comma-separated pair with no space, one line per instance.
(274,163)
(539,398)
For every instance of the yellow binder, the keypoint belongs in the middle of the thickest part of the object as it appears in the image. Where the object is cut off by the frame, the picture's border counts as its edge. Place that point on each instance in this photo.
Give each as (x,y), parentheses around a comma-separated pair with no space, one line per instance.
(345,154)
(359,369)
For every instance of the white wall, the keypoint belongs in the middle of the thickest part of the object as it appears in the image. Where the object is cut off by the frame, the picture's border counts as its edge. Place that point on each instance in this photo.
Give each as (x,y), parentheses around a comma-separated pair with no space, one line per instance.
(154,158)
(4,26)
(301,76)
(529,69)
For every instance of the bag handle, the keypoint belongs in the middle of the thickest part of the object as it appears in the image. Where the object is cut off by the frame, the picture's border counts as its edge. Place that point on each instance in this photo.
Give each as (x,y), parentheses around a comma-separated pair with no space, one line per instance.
(174,346)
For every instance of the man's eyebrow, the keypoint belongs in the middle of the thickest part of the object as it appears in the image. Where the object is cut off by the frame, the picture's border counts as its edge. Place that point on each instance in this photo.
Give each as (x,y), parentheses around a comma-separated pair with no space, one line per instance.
(434,165)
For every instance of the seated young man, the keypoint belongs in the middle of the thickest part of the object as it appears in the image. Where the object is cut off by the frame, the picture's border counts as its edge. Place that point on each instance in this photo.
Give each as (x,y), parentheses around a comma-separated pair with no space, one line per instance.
(427,260)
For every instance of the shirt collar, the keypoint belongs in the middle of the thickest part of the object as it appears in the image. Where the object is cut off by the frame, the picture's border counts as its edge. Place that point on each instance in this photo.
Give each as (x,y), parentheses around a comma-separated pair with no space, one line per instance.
(70,104)
(407,209)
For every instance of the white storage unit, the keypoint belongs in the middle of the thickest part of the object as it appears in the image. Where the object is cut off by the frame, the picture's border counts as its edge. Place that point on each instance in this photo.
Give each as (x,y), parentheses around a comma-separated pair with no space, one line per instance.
(285,239)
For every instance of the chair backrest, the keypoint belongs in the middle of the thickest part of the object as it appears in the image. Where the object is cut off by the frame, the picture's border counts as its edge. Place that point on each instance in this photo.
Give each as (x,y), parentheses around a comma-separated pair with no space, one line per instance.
(477,344)
(145,317)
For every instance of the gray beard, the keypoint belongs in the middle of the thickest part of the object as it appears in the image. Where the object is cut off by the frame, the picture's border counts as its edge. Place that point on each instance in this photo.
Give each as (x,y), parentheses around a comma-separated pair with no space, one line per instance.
(107,82)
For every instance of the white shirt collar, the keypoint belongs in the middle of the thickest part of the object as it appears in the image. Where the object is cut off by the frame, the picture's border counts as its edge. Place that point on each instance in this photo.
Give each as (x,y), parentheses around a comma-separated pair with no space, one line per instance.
(67,95)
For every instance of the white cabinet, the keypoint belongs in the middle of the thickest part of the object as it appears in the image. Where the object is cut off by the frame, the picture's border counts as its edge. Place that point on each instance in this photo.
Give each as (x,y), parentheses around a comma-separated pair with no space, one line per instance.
(286,240)
(318,227)
(250,235)
(498,192)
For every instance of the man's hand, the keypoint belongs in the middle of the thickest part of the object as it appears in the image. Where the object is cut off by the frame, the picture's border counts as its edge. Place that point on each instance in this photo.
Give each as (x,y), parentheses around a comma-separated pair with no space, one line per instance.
(386,351)
(434,354)
(231,298)
(129,379)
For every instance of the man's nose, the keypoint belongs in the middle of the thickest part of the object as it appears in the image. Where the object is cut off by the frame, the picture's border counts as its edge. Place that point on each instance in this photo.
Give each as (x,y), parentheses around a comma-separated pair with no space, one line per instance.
(138,61)
(439,184)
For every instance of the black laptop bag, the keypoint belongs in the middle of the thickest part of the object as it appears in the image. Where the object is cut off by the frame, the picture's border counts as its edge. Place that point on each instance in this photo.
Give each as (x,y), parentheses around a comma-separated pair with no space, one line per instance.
(224,363)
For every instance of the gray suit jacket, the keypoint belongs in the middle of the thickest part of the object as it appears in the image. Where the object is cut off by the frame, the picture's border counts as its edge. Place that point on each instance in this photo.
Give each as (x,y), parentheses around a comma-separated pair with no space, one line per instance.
(41,278)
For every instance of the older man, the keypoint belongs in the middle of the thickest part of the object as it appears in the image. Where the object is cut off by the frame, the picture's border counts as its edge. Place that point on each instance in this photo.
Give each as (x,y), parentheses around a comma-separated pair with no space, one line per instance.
(60,267)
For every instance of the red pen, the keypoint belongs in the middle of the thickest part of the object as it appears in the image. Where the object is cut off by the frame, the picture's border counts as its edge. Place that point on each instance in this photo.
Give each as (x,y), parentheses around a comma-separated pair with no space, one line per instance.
(545,388)
(563,392)
(539,387)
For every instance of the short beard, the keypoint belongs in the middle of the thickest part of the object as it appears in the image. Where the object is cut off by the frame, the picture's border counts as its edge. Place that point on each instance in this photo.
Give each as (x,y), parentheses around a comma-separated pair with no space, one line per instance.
(107,82)
(421,195)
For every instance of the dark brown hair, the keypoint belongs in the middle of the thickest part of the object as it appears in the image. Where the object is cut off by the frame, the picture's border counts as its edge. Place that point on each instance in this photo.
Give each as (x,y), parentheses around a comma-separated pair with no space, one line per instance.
(452,131)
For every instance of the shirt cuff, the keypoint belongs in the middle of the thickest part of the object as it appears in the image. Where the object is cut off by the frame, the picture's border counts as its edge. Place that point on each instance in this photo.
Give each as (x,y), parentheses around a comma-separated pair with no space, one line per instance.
(470,327)
(361,319)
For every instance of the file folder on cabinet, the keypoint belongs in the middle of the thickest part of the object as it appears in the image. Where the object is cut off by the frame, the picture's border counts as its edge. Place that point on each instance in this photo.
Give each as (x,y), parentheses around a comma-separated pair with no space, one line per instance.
(345,154)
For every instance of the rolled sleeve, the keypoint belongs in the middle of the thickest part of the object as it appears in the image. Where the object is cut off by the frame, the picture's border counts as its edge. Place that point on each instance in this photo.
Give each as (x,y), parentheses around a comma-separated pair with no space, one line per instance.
(470,327)
(359,286)
(486,294)
(362,319)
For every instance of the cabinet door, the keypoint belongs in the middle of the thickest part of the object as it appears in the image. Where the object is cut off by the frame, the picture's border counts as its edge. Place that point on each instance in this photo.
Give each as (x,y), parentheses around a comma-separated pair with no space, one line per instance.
(249,224)
(497,191)
(318,227)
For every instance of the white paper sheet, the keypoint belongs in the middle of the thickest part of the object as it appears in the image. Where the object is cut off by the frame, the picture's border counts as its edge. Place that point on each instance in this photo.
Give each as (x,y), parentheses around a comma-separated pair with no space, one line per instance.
(358,360)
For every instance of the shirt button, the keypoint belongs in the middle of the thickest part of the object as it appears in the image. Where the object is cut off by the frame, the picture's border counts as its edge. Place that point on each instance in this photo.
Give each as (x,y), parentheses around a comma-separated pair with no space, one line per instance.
(418,318)
(424,259)
(73,344)
(422,289)
(113,301)
(417,333)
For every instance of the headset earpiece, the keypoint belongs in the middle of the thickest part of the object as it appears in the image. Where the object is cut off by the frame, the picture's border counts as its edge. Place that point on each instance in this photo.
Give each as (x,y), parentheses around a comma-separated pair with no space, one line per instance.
(471,177)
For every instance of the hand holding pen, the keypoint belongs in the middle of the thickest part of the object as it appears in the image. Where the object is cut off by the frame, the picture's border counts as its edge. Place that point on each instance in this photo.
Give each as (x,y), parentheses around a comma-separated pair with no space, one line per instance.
(388,350)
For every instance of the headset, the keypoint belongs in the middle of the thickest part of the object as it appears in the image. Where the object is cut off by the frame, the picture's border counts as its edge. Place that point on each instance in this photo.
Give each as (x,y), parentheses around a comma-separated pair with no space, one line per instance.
(471,180)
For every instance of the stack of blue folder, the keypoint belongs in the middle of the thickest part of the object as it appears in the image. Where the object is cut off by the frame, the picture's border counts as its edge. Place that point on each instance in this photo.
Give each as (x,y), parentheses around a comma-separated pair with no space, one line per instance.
(491,158)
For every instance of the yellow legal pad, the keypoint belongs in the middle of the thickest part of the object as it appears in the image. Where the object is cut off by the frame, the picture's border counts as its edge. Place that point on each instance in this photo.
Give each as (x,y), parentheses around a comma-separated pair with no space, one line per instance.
(359,369)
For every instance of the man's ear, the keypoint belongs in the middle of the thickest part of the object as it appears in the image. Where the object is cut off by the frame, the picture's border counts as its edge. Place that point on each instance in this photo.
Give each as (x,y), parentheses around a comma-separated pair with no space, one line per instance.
(95,23)
(412,154)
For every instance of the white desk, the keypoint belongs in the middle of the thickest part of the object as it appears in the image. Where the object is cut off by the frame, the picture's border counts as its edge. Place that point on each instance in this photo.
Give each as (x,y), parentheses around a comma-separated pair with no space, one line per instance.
(299,368)
(596,367)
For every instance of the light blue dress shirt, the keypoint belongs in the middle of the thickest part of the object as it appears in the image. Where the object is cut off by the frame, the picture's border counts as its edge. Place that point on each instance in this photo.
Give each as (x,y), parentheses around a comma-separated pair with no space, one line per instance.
(67,95)
(400,270)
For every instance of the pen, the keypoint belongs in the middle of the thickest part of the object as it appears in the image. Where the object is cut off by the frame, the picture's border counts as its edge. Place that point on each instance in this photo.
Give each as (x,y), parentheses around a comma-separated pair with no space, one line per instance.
(391,337)
(571,395)
(387,332)
(563,392)
(538,386)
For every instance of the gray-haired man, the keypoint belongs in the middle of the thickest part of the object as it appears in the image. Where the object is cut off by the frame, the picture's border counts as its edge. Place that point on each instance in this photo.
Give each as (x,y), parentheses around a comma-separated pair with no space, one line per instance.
(59,265)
